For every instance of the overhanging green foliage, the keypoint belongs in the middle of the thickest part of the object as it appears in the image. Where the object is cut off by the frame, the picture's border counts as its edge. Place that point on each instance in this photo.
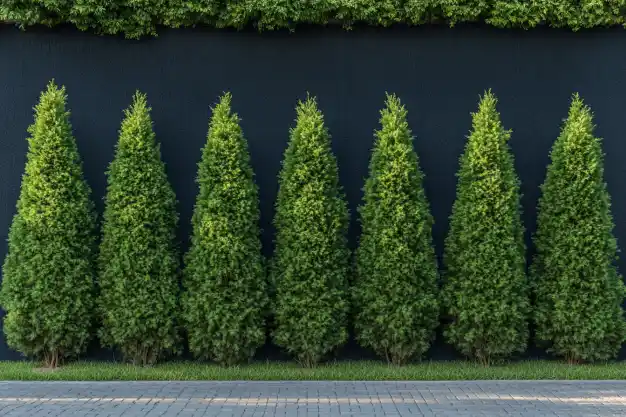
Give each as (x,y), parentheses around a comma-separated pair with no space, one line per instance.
(48,275)
(141,18)
(578,291)
(138,258)
(225,293)
(395,293)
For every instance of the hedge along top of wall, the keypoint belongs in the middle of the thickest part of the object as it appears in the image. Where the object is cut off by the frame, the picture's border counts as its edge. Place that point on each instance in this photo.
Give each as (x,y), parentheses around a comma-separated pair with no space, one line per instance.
(136,18)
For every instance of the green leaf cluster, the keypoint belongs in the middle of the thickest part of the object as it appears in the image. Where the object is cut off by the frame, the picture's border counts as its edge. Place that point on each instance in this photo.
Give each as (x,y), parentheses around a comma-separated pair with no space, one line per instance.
(138,18)
(486,291)
(139,265)
(309,271)
(225,294)
(396,294)
(578,292)
(48,276)
(575,14)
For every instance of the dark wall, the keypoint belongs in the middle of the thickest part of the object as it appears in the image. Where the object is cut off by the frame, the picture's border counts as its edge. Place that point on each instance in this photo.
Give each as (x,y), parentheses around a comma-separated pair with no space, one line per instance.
(437,72)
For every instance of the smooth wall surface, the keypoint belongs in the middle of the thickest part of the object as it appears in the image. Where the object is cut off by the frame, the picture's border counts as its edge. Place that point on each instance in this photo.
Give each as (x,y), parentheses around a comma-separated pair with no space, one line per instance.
(437,72)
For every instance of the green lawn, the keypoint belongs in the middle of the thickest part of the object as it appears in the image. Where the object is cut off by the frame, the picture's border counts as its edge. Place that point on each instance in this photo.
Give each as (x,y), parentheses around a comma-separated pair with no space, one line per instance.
(98,371)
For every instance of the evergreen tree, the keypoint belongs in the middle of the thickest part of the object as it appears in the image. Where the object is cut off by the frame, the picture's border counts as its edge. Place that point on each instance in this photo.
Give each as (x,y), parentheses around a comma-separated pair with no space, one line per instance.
(138,257)
(396,290)
(48,276)
(225,293)
(310,264)
(486,291)
(578,292)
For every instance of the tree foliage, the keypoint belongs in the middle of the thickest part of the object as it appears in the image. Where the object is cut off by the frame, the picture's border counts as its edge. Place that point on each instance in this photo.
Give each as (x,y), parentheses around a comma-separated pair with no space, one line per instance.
(310,264)
(225,293)
(48,275)
(138,256)
(485,290)
(136,19)
(578,291)
(573,14)
(396,290)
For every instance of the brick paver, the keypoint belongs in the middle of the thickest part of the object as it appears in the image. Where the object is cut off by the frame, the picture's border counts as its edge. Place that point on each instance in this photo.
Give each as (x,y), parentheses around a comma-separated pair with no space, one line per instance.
(322,399)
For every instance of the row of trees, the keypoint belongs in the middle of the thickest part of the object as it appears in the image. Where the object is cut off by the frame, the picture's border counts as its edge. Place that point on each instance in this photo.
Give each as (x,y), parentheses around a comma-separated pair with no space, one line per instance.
(58,287)
(136,19)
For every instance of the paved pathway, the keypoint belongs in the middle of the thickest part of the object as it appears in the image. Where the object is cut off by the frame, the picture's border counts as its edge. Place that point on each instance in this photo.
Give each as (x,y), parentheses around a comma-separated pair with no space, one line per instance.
(322,399)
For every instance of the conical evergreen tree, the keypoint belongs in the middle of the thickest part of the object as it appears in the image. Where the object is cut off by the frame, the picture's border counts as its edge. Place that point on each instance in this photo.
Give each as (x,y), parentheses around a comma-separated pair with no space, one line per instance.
(486,290)
(138,256)
(310,264)
(578,292)
(48,276)
(396,290)
(225,292)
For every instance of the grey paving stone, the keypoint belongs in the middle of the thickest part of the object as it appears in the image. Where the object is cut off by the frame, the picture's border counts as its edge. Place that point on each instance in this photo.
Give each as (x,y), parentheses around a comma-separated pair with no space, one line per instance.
(320,399)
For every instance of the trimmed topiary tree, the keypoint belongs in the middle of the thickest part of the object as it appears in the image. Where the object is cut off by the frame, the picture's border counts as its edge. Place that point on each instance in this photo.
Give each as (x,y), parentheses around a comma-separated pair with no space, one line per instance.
(486,291)
(310,264)
(578,292)
(48,276)
(225,293)
(138,257)
(395,294)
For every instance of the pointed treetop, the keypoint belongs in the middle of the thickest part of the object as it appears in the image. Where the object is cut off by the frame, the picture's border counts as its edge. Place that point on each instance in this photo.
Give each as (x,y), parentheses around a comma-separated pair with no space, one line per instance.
(393,103)
(222,108)
(137,124)
(577,144)
(52,123)
(578,107)
(222,117)
(488,99)
(577,131)
(51,92)
(487,105)
(140,104)
(308,107)
(579,114)
(53,98)
(487,134)
(226,98)
(393,113)
(487,115)
(310,129)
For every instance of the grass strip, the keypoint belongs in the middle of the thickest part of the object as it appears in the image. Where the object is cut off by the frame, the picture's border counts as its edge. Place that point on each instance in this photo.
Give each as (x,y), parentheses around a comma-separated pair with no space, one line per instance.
(338,371)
